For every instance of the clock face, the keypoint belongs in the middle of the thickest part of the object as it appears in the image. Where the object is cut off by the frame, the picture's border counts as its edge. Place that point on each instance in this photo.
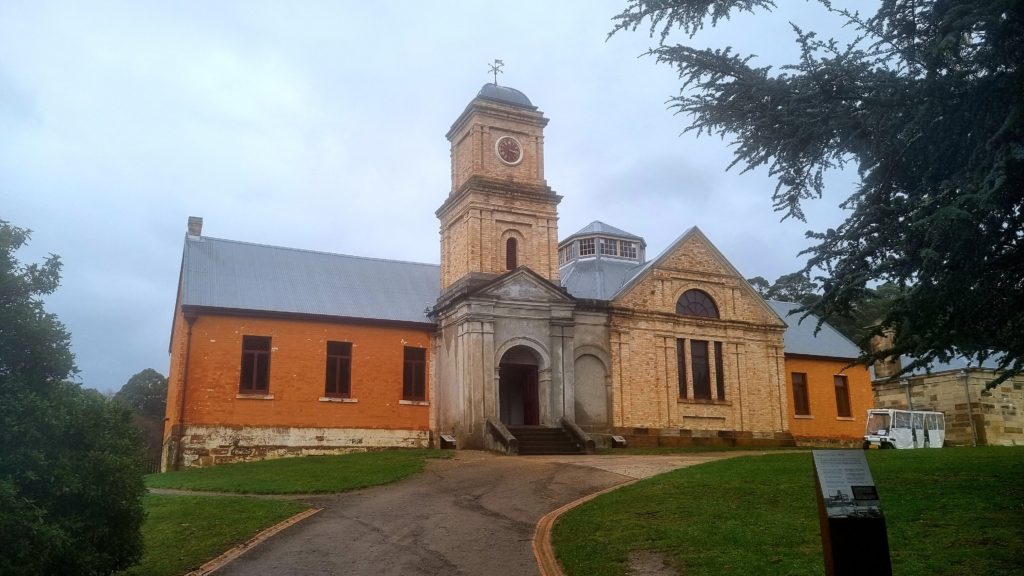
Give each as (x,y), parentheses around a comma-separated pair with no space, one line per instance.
(509,150)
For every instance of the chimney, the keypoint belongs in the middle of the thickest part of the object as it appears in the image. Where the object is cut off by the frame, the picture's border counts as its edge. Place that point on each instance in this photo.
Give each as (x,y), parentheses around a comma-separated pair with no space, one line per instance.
(891,365)
(195,226)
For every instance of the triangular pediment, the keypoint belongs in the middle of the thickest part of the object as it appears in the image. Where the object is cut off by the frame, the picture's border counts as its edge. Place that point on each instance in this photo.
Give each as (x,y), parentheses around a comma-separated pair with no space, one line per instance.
(523,285)
(693,262)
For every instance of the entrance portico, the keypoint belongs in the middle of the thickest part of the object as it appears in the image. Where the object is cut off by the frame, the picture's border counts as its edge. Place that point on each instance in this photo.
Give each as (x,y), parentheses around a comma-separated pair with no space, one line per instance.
(518,391)
(505,358)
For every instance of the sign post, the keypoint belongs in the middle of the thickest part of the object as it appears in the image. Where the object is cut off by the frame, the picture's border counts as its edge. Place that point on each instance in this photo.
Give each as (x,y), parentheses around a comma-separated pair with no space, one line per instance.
(853,533)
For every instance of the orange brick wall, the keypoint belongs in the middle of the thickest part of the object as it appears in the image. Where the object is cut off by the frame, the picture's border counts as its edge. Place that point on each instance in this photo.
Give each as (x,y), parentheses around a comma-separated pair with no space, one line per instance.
(823,422)
(298,352)
(179,334)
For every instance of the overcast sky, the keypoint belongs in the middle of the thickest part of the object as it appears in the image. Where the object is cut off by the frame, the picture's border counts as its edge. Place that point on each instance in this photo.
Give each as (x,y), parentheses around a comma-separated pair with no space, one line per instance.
(320,125)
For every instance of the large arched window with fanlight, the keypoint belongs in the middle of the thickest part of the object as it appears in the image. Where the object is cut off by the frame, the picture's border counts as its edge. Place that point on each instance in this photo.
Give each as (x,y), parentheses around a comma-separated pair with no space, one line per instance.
(696,303)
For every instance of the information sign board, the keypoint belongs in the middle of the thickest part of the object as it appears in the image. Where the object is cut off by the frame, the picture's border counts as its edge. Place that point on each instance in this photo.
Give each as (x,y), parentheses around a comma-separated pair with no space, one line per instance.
(853,533)
(846,484)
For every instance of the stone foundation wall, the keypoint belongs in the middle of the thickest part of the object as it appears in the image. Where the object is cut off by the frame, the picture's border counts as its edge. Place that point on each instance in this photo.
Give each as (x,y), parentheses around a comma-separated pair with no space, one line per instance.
(210,445)
(675,437)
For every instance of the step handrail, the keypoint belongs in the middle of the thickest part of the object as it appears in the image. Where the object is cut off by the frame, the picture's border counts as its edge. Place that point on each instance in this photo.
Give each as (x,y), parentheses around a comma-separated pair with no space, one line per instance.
(579,435)
(499,439)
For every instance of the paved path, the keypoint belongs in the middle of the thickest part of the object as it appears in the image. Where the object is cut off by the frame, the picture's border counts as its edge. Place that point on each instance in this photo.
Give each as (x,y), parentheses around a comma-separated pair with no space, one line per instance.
(473,514)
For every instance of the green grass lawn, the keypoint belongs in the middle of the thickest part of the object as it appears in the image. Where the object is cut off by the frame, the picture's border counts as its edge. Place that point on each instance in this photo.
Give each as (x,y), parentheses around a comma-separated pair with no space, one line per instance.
(305,475)
(949,512)
(182,532)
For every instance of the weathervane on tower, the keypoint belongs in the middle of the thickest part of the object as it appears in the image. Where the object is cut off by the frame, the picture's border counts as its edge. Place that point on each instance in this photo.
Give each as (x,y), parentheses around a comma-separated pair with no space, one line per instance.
(496,69)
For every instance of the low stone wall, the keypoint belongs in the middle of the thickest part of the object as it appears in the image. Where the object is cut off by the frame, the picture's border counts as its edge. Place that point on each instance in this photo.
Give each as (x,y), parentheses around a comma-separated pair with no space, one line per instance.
(676,437)
(209,445)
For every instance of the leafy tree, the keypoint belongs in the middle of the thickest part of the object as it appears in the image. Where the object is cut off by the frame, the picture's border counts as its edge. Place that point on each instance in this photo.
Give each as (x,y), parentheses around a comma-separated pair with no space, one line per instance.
(857,326)
(796,287)
(70,480)
(760,285)
(928,104)
(145,393)
(867,313)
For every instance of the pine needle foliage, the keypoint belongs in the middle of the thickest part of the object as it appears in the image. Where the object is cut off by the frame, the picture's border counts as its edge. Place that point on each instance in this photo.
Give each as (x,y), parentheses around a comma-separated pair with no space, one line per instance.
(927,103)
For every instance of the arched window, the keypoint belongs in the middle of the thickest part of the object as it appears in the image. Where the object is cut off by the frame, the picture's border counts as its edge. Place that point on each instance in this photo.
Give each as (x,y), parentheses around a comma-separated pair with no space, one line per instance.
(696,303)
(510,254)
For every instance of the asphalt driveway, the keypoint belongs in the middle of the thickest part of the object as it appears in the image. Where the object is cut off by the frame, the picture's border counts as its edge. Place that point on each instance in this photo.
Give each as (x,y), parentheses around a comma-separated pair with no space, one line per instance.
(473,514)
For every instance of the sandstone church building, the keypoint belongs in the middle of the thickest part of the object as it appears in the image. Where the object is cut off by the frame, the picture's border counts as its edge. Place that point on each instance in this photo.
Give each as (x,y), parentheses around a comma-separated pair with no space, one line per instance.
(278,351)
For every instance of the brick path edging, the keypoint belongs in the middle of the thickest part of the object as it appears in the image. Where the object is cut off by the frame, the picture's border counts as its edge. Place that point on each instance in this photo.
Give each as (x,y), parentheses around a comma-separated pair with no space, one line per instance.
(547,563)
(222,560)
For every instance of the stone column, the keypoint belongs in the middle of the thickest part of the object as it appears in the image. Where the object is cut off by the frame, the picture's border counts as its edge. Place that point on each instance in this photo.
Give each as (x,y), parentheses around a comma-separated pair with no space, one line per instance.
(563,399)
(476,360)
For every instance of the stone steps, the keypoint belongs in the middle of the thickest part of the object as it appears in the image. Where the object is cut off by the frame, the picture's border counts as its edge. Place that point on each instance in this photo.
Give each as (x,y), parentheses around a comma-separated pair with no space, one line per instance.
(534,440)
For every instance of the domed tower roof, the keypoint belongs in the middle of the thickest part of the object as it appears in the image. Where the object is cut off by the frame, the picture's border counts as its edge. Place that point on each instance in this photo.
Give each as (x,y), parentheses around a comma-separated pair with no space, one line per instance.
(505,95)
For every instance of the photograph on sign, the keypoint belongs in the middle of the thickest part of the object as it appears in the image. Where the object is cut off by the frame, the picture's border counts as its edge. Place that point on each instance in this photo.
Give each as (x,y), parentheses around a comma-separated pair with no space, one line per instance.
(846,483)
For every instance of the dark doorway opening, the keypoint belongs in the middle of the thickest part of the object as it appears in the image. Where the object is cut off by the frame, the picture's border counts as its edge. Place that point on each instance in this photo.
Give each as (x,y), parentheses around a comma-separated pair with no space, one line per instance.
(519,401)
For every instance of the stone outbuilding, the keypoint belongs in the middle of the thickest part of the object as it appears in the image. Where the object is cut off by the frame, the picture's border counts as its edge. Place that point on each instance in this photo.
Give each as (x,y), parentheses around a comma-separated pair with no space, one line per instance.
(976,415)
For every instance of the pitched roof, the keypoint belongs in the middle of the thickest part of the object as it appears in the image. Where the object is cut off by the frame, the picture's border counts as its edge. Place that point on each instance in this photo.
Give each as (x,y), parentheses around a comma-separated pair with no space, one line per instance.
(596,278)
(238,275)
(955,364)
(801,339)
(598,227)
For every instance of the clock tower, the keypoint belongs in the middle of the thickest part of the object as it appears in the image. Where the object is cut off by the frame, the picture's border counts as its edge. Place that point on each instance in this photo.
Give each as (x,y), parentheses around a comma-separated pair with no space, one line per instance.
(500,213)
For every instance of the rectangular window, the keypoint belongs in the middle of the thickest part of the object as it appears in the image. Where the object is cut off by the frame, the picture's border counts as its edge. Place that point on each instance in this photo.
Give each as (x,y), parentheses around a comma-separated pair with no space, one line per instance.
(719,372)
(255,365)
(701,369)
(414,378)
(608,246)
(842,397)
(587,247)
(567,253)
(801,403)
(627,249)
(338,381)
(681,364)
(902,420)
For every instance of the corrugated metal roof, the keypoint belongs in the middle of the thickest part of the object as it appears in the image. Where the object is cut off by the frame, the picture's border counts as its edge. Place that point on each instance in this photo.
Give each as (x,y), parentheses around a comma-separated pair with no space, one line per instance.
(598,227)
(230,274)
(596,278)
(801,339)
(957,363)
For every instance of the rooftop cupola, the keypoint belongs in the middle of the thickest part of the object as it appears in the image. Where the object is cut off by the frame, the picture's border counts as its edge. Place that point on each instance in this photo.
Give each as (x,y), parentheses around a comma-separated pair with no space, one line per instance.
(600,240)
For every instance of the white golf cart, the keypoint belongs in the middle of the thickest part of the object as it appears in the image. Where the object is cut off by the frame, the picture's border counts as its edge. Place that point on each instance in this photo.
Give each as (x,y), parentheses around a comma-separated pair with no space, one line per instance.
(904,429)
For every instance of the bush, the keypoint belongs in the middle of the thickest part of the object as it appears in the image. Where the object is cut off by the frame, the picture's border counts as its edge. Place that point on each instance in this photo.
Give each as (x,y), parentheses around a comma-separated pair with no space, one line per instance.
(70,462)
(70,484)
